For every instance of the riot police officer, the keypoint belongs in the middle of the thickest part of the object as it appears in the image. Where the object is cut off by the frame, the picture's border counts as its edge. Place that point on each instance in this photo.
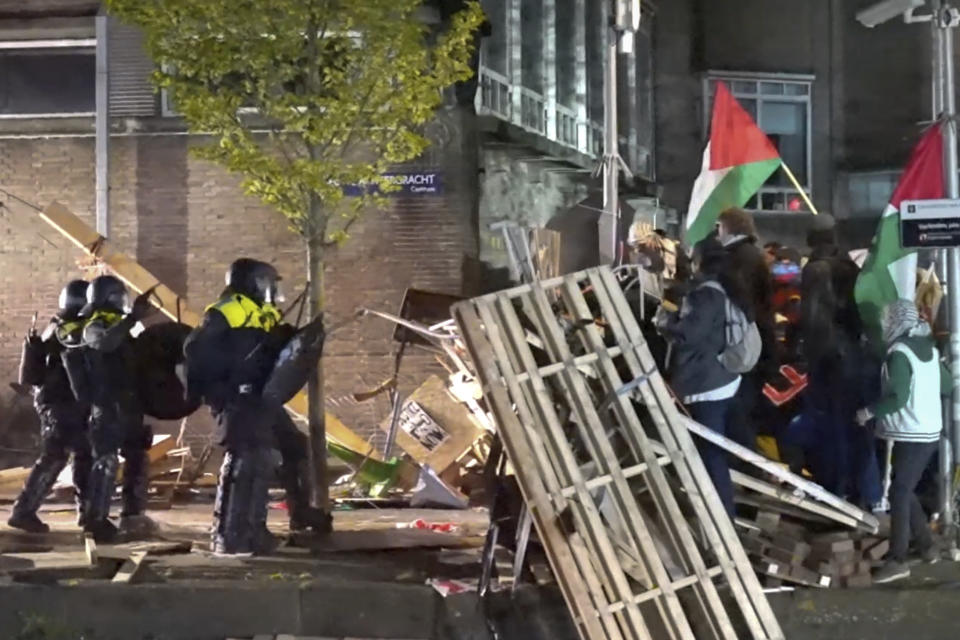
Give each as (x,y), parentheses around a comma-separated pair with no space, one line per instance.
(63,419)
(229,359)
(116,418)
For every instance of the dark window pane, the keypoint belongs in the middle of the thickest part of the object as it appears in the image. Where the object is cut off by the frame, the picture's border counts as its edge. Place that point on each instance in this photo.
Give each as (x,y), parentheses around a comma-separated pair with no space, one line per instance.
(771,88)
(47,81)
(786,124)
(771,202)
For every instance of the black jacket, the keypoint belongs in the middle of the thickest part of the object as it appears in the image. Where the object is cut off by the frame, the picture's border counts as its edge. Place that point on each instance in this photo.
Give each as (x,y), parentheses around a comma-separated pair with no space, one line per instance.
(54,388)
(220,359)
(697,335)
(829,317)
(111,367)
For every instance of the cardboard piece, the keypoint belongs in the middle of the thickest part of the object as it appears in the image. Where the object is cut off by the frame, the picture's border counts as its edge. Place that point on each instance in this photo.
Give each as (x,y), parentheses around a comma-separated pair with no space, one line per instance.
(460,430)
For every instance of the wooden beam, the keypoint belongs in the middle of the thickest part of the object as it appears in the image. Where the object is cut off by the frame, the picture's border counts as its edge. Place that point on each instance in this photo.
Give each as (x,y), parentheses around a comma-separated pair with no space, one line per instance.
(868,520)
(130,568)
(173,306)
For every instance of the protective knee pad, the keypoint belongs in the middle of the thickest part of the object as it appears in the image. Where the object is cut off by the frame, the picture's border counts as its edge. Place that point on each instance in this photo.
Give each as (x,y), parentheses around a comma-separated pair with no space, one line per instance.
(235,497)
(103,477)
(82,467)
(39,483)
(135,481)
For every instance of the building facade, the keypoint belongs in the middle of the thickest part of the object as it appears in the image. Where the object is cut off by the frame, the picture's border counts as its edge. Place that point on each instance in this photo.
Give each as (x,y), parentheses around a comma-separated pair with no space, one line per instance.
(843,103)
(521,144)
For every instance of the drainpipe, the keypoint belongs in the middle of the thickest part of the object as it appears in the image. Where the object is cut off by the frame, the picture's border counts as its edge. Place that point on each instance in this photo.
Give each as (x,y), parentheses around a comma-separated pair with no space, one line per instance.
(102,154)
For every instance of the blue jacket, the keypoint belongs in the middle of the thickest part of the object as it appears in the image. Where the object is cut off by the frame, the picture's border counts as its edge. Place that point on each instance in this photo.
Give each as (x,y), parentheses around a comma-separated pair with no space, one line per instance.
(697,335)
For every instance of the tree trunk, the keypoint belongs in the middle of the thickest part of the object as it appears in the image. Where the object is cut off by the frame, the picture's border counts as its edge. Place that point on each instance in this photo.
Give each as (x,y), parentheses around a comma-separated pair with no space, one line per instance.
(316,413)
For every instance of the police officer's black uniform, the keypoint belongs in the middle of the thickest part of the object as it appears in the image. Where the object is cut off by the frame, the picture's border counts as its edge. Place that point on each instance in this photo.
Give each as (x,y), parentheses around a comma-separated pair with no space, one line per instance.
(229,358)
(63,420)
(116,417)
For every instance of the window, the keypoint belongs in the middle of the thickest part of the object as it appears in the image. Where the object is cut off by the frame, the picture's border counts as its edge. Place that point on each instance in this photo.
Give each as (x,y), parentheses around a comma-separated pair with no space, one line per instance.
(780,104)
(869,192)
(46,80)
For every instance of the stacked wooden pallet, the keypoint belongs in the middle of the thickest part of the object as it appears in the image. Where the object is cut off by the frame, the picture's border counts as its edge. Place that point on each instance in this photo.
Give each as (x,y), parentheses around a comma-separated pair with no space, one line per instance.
(637,537)
(787,552)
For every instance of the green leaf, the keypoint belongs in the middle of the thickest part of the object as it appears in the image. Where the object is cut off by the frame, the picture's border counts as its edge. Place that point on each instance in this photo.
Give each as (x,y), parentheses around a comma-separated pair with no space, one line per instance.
(303,96)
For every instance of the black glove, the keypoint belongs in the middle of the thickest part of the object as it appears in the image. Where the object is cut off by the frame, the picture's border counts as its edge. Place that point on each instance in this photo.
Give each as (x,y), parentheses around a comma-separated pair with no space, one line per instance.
(142,307)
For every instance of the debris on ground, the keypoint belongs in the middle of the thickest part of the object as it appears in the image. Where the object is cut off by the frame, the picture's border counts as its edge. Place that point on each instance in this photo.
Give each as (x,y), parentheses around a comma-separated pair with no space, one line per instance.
(789,552)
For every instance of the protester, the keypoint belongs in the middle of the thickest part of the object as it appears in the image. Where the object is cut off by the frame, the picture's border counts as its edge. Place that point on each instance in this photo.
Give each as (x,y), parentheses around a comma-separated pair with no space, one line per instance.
(697,334)
(786,274)
(770,251)
(909,414)
(838,369)
(747,271)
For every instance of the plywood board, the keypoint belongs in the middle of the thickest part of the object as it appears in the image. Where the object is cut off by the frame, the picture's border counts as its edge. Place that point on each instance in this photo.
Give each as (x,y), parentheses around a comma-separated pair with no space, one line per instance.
(460,431)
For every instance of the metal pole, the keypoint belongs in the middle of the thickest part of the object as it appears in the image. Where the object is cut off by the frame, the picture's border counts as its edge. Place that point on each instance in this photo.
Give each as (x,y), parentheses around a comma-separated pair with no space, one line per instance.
(953,255)
(102,146)
(937,107)
(611,157)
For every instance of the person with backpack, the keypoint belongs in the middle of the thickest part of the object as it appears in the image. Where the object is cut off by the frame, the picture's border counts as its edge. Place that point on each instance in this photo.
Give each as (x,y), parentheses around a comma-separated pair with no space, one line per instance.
(705,363)
(909,414)
(748,270)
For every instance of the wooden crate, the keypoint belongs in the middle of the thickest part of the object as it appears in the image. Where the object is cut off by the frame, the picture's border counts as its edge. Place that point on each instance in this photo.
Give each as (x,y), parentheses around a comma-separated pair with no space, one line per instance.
(628,544)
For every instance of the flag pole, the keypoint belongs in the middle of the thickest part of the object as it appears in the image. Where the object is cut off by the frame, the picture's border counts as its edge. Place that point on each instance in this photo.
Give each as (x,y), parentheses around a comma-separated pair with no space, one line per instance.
(803,194)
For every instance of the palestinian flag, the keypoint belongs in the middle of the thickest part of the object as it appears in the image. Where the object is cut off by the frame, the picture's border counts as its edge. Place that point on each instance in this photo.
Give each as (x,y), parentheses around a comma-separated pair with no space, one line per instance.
(890,271)
(737,161)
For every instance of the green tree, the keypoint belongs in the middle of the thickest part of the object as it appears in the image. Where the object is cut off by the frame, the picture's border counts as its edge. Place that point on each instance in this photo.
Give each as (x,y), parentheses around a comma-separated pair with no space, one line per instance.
(304,97)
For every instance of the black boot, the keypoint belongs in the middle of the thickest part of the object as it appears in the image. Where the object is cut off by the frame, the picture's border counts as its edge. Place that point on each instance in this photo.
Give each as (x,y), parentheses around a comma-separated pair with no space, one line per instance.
(82,468)
(263,542)
(135,481)
(99,494)
(232,532)
(36,488)
(295,478)
(134,522)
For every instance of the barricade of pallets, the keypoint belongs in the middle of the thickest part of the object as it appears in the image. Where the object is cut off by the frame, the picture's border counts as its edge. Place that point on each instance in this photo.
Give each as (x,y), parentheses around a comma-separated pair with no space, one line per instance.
(589,428)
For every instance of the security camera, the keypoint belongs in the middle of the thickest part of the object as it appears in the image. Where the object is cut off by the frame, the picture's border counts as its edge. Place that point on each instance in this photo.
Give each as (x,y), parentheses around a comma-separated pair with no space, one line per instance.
(887,10)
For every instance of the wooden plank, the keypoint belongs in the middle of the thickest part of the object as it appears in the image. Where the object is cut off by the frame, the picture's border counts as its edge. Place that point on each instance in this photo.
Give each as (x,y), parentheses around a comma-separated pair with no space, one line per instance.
(637,436)
(90,549)
(593,431)
(162,445)
(172,305)
(605,479)
(566,554)
(715,522)
(130,568)
(557,462)
(651,574)
(800,502)
(868,520)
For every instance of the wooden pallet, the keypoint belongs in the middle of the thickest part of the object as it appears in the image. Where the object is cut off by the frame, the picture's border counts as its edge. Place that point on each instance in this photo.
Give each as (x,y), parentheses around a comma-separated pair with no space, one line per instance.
(638,540)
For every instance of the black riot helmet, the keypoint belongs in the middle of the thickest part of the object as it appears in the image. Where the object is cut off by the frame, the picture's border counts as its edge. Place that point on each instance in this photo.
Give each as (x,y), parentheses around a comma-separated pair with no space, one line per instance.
(108,293)
(73,297)
(255,279)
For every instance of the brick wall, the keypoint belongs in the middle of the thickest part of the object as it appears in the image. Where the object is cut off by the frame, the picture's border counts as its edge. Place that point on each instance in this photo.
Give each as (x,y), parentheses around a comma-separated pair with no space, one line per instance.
(186,220)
